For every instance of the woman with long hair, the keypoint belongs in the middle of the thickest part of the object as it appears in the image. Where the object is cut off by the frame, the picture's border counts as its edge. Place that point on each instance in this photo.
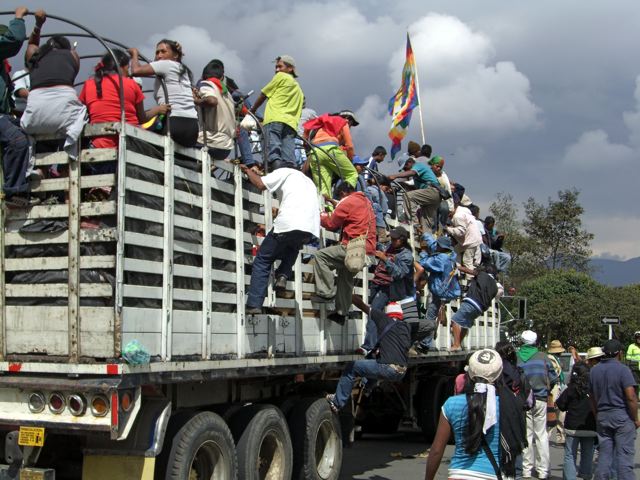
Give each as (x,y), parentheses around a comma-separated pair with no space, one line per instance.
(474,419)
(52,104)
(178,80)
(579,424)
(101,95)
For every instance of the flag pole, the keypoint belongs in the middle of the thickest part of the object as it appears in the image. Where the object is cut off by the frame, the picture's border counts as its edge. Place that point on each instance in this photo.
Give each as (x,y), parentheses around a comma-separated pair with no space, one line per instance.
(415,64)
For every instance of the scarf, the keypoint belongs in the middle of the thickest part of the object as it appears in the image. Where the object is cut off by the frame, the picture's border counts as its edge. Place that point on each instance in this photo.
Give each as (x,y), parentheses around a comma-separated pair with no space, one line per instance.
(218,83)
(526,352)
(490,415)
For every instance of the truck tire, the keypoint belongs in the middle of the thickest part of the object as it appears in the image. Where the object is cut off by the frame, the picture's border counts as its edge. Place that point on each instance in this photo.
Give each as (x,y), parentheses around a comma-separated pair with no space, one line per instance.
(203,447)
(317,443)
(263,443)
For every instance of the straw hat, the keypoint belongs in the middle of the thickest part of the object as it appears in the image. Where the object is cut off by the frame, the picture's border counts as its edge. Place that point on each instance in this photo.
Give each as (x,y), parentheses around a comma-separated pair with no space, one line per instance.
(555,347)
(594,352)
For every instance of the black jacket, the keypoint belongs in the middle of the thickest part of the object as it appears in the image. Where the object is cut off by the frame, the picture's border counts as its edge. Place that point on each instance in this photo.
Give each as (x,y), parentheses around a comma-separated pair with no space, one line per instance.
(578,408)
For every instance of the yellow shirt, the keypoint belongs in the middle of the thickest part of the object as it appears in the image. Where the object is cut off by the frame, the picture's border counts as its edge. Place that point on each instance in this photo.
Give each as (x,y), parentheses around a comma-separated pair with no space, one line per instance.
(633,353)
(285,100)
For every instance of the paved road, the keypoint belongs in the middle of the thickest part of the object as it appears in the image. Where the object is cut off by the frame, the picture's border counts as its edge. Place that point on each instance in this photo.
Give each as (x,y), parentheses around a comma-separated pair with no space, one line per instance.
(402,457)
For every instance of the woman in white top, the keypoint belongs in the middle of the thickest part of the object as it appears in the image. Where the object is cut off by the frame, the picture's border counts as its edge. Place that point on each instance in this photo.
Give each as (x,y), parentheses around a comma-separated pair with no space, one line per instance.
(183,125)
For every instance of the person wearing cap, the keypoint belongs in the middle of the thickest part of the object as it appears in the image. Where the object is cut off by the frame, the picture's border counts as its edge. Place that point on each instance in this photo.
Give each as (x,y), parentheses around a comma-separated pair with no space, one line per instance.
(467,234)
(282,114)
(488,413)
(446,205)
(438,260)
(13,141)
(332,153)
(426,196)
(354,216)
(580,424)
(377,156)
(390,362)
(553,352)
(542,377)
(392,281)
(614,401)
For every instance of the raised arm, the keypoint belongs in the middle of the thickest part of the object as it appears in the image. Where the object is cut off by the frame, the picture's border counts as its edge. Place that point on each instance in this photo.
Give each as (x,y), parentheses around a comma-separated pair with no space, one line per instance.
(254,178)
(41,17)
(137,69)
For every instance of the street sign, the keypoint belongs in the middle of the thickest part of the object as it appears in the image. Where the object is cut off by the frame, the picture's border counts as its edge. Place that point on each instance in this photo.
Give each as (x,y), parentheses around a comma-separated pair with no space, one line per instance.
(610,320)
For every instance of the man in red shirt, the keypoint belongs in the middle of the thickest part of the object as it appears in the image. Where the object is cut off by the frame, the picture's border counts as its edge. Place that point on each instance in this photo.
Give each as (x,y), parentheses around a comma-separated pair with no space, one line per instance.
(354,216)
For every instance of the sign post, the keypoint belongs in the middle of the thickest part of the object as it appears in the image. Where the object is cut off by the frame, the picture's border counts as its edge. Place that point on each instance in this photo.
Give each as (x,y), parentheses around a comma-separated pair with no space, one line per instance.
(610,321)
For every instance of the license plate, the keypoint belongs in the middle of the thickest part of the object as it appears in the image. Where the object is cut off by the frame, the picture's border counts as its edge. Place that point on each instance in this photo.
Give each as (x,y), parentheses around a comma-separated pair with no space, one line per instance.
(31,437)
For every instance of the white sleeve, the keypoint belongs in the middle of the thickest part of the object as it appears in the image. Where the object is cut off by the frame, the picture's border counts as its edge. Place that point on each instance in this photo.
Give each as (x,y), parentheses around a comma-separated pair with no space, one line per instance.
(273,181)
(162,68)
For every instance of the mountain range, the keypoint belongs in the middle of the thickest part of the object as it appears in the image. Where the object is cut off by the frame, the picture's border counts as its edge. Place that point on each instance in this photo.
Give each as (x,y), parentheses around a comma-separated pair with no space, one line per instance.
(616,273)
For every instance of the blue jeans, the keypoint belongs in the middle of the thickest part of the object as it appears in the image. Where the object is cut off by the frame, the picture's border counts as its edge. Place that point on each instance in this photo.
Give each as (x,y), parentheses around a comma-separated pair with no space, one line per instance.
(275,246)
(616,439)
(466,315)
(369,369)
(280,139)
(244,145)
(15,156)
(571,456)
(379,298)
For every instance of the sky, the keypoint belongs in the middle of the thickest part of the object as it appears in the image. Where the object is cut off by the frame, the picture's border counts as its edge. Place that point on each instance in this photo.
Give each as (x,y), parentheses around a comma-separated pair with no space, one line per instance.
(526,98)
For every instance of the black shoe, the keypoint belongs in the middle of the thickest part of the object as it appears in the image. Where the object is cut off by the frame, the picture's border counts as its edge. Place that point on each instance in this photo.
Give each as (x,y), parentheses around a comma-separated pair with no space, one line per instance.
(336,317)
(280,284)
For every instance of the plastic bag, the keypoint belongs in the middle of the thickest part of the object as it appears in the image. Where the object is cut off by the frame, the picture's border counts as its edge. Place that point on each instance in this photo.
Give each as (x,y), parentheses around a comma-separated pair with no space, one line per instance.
(135,354)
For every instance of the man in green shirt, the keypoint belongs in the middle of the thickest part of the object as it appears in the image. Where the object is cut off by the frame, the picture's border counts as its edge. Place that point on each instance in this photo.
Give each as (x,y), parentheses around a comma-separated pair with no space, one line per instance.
(282,113)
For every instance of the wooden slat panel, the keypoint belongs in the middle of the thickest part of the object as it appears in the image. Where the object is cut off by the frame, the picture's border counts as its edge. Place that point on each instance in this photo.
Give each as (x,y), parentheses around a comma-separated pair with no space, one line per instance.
(186,174)
(142,134)
(138,291)
(96,155)
(142,266)
(149,163)
(88,181)
(147,188)
(143,213)
(55,158)
(58,263)
(49,290)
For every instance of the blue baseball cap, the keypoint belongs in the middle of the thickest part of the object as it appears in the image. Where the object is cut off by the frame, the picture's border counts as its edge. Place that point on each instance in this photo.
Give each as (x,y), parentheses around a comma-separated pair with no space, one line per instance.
(359,161)
(445,243)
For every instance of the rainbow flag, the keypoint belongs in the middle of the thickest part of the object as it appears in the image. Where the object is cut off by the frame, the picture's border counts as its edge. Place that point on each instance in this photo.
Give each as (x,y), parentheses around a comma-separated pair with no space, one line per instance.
(401,105)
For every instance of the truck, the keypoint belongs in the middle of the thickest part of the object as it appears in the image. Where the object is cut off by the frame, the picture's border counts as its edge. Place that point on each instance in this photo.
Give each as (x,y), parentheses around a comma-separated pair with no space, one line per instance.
(125,350)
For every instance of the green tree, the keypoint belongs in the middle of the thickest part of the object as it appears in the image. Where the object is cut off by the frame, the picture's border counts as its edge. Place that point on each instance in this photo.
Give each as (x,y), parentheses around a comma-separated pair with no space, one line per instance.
(559,240)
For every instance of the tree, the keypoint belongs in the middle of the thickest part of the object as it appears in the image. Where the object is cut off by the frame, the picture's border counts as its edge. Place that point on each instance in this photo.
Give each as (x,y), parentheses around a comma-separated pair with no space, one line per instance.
(556,230)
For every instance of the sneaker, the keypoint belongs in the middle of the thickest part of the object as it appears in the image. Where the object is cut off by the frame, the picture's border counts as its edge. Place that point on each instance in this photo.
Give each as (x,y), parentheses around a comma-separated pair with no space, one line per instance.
(280,283)
(336,317)
(253,310)
(331,400)
(319,299)
(362,351)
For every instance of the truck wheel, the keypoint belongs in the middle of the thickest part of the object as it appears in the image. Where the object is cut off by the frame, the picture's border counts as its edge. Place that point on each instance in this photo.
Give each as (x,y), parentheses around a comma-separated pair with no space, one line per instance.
(317,443)
(203,448)
(263,443)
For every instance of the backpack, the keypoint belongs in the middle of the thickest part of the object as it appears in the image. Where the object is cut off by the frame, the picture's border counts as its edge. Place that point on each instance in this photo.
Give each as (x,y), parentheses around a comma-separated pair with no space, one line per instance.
(526,392)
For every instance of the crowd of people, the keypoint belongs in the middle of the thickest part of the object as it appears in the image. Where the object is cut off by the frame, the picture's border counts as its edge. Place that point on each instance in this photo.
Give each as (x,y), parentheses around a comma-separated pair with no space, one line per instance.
(499,420)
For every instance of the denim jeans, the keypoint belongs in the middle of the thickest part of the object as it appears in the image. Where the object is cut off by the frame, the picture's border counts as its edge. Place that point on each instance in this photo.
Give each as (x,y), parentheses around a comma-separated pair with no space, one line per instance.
(429,324)
(275,246)
(571,456)
(369,369)
(378,300)
(244,145)
(280,141)
(616,440)
(466,315)
(15,156)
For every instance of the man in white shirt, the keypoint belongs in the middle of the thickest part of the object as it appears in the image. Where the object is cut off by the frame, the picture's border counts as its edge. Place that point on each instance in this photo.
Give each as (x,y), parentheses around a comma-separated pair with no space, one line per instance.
(297,222)
(468,237)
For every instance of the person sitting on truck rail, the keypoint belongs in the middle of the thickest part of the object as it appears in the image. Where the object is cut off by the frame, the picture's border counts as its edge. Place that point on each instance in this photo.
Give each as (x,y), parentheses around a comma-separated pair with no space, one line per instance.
(53,105)
(13,141)
(218,111)
(282,113)
(297,223)
(100,94)
(183,118)
(354,216)
(390,361)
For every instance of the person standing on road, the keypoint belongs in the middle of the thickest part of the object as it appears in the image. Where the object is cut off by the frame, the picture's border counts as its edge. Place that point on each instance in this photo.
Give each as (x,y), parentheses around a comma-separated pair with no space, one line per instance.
(580,424)
(554,351)
(542,377)
(633,356)
(487,437)
(394,340)
(297,223)
(282,114)
(615,404)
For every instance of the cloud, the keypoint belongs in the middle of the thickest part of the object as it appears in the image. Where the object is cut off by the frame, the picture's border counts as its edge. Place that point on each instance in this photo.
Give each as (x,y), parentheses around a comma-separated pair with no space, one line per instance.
(610,239)
(593,148)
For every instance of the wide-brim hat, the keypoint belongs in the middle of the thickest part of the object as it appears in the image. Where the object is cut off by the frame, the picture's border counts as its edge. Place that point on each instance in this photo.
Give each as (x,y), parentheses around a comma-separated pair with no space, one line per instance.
(555,347)
(594,352)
